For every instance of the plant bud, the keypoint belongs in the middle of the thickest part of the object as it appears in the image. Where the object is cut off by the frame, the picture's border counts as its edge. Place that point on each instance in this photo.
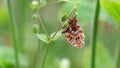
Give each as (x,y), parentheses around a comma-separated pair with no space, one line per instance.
(34,5)
(64,1)
(64,17)
(34,16)
(35,28)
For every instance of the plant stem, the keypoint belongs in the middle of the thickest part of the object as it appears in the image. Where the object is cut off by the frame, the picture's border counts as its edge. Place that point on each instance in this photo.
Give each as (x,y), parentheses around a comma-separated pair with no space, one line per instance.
(21,16)
(74,9)
(59,27)
(39,19)
(14,35)
(44,59)
(94,35)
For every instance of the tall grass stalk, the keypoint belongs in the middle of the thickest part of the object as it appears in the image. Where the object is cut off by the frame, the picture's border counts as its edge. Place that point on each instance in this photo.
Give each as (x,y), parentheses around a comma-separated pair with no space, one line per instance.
(94,35)
(14,34)
(21,15)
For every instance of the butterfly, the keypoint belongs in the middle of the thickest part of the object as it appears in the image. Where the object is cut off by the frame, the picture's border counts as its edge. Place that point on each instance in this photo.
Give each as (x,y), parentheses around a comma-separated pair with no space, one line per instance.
(74,33)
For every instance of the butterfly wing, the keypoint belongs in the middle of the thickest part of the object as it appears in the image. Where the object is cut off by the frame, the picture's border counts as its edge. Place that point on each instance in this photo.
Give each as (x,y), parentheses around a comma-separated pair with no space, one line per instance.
(76,38)
(74,33)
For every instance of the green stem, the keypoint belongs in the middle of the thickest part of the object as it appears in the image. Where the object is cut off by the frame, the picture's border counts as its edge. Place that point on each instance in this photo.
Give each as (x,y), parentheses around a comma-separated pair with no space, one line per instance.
(59,27)
(44,59)
(21,19)
(73,11)
(94,35)
(14,35)
(39,19)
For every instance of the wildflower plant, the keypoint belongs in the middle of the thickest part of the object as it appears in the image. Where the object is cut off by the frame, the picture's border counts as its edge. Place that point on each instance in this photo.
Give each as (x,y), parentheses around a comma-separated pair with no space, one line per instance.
(65,19)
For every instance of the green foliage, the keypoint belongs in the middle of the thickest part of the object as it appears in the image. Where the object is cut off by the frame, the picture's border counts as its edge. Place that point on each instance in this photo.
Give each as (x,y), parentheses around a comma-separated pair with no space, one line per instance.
(112,7)
(103,58)
(57,36)
(7,58)
(44,38)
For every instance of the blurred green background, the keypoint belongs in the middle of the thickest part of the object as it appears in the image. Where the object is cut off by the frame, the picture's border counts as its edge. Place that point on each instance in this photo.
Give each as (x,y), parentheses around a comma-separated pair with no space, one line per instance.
(61,53)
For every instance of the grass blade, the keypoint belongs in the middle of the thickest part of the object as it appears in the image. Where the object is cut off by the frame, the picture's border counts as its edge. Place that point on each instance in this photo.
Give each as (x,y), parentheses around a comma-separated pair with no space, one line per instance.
(94,35)
(14,35)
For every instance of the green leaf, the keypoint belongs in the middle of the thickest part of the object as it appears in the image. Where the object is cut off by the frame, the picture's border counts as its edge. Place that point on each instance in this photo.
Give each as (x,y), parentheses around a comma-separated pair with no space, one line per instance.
(43,38)
(57,36)
(112,7)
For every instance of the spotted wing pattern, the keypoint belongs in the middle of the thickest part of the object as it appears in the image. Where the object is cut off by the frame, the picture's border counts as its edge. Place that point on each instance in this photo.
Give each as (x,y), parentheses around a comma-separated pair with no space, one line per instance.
(74,33)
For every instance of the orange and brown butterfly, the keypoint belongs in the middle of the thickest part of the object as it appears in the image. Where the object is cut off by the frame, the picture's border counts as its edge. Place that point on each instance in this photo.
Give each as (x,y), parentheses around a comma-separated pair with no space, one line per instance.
(74,33)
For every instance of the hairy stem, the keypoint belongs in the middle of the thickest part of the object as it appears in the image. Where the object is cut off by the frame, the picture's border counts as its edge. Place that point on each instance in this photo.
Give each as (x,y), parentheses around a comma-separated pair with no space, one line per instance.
(94,35)
(45,56)
(14,35)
